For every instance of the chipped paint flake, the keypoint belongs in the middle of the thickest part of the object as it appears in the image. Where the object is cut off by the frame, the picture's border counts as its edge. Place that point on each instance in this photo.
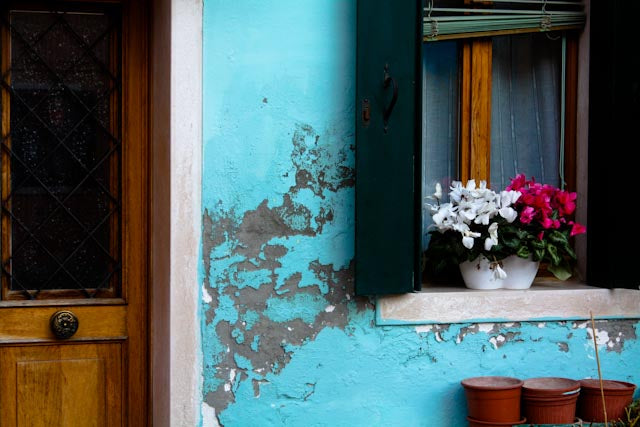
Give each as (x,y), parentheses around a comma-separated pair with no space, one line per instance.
(209,418)
(423,329)
(486,327)
(206,297)
(602,337)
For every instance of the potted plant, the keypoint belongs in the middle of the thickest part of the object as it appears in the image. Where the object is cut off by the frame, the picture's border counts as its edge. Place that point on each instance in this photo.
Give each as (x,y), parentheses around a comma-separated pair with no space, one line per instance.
(544,226)
(486,233)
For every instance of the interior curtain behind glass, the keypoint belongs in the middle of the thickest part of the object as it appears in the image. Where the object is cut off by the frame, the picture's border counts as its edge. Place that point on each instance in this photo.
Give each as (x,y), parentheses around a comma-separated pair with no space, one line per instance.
(525,118)
(440,100)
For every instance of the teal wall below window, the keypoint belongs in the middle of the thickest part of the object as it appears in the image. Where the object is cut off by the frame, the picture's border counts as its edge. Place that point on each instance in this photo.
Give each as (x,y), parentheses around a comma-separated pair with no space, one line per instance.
(285,342)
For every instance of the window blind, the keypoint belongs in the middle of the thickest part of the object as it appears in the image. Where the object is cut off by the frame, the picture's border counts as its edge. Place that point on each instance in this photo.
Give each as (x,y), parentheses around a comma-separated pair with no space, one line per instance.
(454,19)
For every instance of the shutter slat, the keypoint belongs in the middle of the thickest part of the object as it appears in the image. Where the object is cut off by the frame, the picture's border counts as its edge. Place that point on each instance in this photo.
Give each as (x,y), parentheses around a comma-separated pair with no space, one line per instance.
(508,17)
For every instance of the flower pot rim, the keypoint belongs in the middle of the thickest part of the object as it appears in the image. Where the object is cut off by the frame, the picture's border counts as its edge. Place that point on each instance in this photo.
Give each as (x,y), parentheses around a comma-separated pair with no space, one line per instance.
(492,383)
(608,385)
(497,423)
(541,386)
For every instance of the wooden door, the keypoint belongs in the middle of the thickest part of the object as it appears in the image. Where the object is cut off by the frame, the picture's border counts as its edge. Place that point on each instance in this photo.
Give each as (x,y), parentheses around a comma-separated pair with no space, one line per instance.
(74,162)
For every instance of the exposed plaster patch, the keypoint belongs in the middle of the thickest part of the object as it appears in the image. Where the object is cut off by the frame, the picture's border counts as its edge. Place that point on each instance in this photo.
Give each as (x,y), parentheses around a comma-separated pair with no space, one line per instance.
(611,335)
(248,259)
(473,329)
(563,346)
(256,387)
(318,167)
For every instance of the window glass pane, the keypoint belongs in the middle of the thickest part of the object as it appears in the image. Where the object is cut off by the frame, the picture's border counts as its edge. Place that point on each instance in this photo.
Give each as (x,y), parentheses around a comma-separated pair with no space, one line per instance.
(61,156)
(440,100)
(525,119)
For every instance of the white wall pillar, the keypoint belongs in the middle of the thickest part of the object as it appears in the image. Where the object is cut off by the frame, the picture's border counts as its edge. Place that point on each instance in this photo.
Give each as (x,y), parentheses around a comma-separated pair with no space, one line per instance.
(176,211)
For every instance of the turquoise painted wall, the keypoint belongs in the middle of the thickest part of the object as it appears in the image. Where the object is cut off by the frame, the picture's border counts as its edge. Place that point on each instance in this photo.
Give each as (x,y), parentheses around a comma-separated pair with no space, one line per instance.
(285,342)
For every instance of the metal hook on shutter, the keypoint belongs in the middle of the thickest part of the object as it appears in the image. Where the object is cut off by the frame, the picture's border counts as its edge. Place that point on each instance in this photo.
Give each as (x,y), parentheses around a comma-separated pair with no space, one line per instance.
(389,81)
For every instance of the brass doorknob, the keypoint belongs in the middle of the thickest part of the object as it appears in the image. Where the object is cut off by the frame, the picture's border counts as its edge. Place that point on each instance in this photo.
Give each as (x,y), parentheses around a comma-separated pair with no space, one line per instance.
(63,324)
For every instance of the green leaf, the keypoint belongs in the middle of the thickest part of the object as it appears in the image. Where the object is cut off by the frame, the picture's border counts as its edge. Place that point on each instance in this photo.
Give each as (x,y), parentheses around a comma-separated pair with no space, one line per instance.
(523,252)
(570,252)
(537,244)
(553,254)
(561,271)
(558,238)
(511,241)
(538,254)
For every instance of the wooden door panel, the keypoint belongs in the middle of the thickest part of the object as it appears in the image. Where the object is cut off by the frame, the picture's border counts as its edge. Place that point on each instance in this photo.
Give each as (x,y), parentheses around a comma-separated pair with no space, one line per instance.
(31,324)
(98,376)
(61,385)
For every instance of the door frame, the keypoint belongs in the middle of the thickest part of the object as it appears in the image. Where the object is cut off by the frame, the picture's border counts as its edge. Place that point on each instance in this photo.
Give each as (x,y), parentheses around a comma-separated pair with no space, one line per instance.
(176,213)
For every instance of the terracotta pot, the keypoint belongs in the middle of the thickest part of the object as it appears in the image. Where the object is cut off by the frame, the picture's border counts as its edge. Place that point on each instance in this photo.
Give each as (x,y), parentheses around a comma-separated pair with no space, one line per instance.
(478,423)
(495,399)
(617,395)
(550,400)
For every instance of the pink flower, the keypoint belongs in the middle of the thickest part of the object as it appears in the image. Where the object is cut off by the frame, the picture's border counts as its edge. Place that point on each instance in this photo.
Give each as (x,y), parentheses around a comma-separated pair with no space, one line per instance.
(565,202)
(517,183)
(547,222)
(577,228)
(541,235)
(527,215)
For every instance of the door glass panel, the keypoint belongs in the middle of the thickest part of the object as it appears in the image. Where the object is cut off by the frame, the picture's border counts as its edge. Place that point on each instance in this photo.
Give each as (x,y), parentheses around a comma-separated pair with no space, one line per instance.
(61,153)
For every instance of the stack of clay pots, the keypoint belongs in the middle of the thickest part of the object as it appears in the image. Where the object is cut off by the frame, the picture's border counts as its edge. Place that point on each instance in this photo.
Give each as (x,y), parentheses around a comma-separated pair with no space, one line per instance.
(493,401)
(550,400)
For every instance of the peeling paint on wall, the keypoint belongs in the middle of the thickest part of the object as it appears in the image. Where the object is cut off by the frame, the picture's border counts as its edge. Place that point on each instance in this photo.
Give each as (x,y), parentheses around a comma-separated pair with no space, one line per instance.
(259,309)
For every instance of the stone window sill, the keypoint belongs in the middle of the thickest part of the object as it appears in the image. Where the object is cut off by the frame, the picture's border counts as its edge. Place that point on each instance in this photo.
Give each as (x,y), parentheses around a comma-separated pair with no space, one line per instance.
(544,301)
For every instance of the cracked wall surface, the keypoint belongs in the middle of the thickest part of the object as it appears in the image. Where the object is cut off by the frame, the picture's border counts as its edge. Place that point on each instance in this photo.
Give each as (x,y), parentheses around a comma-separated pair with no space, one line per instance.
(285,342)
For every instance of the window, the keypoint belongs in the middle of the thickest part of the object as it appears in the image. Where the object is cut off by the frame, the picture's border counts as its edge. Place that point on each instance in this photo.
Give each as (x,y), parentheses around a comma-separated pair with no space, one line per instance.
(475,109)
(61,151)
(509,123)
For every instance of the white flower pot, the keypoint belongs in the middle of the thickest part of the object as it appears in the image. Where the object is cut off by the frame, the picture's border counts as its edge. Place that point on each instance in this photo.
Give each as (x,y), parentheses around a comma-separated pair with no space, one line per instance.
(481,273)
(520,272)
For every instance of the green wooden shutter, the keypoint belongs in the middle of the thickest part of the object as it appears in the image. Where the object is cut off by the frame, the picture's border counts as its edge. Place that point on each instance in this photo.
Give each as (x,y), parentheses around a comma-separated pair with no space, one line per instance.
(614,109)
(388,48)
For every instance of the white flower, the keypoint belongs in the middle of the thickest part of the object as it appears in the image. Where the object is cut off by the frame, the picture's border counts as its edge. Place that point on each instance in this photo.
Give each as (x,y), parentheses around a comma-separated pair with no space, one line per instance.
(467,238)
(493,237)
(438,193)
(467,211)
(508,198)
(455,193)
(471,184)
(485,212)
(509,214)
